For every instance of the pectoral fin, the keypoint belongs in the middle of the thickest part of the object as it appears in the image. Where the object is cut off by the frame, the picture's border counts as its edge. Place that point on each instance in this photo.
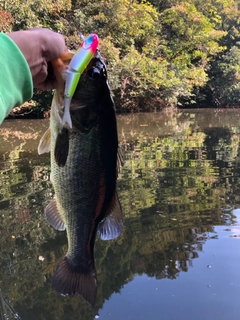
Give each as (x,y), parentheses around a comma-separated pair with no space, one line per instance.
(53,216)
(61,148)
(45,142)
(112,225)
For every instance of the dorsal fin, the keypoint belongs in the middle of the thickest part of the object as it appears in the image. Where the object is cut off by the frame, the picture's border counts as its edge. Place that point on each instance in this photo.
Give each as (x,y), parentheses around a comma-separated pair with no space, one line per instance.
(112,225)
(45,142)
(53,216)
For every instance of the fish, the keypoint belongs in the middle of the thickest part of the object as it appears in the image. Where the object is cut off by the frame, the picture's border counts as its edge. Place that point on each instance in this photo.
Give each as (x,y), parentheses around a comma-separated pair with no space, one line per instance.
(85,162)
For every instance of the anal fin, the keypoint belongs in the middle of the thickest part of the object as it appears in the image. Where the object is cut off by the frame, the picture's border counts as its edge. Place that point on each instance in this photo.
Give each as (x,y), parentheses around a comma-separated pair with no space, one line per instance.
(53,216)
(112,225)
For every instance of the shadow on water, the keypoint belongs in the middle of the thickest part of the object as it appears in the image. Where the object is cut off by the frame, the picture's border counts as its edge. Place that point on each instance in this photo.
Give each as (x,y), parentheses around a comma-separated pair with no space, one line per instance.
(179,181)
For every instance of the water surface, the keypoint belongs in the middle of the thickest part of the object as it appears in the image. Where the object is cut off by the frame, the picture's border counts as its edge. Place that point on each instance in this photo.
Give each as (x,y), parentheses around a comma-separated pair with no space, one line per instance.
(179,254)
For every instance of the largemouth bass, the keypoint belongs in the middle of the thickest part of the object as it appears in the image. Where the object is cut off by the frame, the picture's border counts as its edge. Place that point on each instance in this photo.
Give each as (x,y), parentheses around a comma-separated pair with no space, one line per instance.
(84,168)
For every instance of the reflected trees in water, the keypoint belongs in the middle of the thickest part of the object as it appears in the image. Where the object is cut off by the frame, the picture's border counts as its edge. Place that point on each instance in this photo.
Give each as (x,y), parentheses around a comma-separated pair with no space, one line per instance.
(175,183)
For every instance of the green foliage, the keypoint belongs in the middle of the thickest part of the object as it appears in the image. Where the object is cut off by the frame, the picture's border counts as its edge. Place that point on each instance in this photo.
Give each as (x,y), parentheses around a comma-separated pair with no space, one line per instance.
(191,36)
(225,79)
(35,13)
(158,53)
(127,22)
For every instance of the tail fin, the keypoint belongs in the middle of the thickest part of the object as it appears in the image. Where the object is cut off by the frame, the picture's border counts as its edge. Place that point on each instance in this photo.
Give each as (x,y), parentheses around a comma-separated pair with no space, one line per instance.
(68,280)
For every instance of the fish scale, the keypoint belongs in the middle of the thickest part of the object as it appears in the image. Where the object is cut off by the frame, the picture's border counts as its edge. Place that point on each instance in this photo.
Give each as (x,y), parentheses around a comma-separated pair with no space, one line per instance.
(80,194)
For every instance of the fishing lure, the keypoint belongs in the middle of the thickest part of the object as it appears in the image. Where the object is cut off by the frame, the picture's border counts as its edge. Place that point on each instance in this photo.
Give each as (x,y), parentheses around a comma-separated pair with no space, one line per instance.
(77,65)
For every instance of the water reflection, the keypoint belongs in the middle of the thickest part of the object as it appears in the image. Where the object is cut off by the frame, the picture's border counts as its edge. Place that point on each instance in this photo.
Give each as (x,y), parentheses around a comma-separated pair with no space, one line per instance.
(179,181)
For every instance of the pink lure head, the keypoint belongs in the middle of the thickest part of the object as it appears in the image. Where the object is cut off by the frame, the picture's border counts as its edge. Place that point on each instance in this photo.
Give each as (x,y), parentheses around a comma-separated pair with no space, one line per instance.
(91,42)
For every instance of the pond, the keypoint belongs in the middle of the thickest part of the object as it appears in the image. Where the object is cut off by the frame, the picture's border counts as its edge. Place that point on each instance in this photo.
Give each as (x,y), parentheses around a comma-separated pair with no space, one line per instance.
(179,254)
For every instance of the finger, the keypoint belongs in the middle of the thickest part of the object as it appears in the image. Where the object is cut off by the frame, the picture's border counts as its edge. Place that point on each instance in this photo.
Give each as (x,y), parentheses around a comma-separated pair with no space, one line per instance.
(40,75)
(55,45)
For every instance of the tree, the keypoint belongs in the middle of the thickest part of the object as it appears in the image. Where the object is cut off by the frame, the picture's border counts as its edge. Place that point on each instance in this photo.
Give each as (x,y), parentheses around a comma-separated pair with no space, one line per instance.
(34,13)
(224,82)
(158,53)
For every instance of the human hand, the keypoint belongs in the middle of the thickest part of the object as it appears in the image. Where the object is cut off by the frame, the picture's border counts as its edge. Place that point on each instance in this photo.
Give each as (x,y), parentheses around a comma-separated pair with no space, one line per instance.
(40,46)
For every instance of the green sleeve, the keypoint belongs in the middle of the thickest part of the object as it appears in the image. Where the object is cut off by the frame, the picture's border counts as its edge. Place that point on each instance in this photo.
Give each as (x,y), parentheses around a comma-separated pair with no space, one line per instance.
(16,84)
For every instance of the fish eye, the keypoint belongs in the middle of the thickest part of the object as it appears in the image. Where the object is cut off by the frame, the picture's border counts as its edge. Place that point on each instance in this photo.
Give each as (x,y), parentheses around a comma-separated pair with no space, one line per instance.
(94,73)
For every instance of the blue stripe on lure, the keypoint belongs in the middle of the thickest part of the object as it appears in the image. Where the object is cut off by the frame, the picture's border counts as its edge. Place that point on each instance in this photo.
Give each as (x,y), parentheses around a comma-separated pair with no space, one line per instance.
(77,65)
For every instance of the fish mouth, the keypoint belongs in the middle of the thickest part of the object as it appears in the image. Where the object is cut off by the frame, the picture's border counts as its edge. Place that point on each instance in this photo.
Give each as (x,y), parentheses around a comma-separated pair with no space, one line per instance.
(91,83)
(96,68)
